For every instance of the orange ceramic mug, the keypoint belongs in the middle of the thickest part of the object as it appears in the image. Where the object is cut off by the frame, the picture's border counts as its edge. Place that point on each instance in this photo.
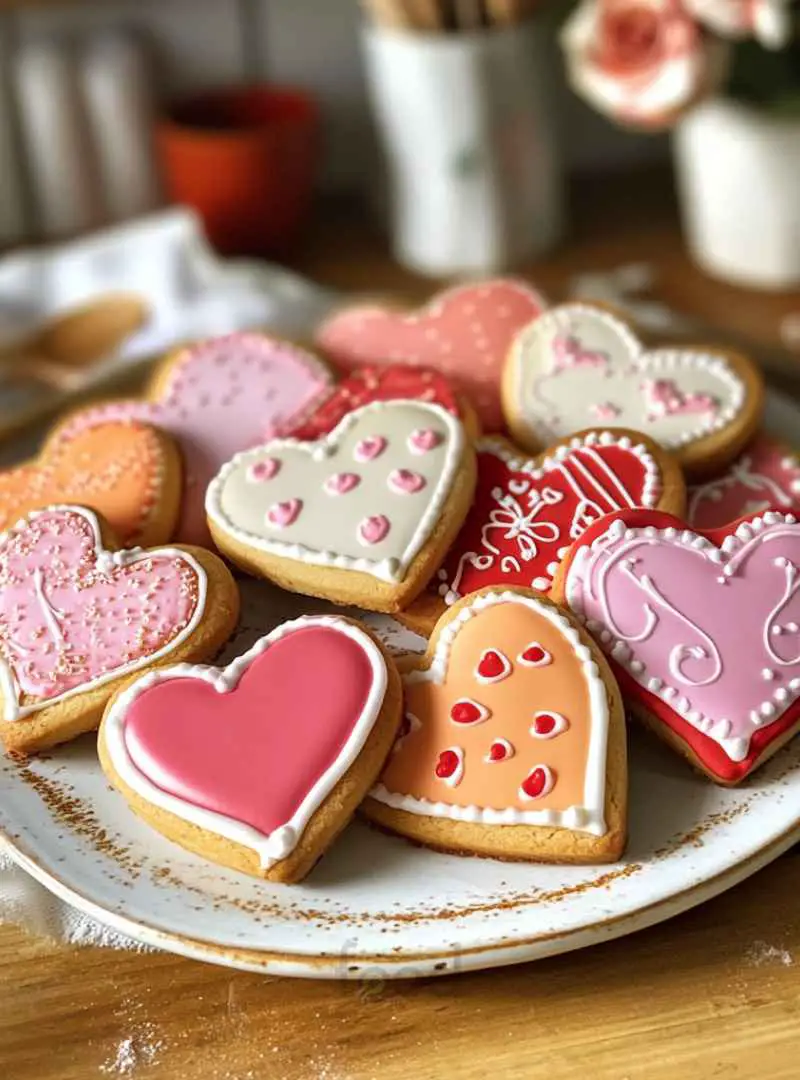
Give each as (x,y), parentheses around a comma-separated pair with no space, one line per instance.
(245,159)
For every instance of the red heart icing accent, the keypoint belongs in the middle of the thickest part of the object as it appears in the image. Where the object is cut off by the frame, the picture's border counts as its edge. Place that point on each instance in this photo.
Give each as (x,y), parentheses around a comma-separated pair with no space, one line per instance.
(535,656)
(294,713)
(539,782)
(447,765)
(493,666)
(466,711)
(219,397)
(500,750)
(394,383)
(525,514)
(702,628)
(464,333)
(73,615)
(547,725)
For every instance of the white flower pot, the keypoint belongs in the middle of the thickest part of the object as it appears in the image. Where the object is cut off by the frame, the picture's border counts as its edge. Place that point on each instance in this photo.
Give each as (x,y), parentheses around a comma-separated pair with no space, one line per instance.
(738,174)
(468,131)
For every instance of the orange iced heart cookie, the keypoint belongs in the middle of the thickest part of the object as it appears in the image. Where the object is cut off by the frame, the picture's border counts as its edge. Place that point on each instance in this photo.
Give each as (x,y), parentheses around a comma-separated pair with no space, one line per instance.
(126,470)
(513,740)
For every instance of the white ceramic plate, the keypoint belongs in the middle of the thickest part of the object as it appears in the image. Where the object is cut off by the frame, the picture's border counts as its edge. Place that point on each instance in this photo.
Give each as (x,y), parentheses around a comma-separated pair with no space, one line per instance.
(376,906)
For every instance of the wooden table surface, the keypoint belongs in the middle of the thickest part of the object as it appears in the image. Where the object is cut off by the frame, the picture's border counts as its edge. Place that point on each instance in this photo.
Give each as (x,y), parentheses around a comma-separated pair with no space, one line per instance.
(714,993)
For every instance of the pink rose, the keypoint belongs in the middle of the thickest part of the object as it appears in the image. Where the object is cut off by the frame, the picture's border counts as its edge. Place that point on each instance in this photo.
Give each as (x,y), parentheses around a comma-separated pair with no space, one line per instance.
(641,62)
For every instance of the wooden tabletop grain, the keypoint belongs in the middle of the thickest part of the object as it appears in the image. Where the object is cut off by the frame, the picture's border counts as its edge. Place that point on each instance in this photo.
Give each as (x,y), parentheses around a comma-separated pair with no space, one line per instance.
(714,993)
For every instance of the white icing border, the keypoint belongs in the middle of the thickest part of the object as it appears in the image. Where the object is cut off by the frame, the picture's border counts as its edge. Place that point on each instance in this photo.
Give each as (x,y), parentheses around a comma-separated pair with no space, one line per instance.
(499,448)
(125,557)
(656,361)
(392,570)
(283,840)
(589,818)
(737,748)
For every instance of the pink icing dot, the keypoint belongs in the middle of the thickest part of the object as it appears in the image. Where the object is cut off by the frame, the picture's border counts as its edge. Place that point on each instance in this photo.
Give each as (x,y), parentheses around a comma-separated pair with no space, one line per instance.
(423,439)
(341,483)
(263,470)
(370,448)
(373,529)
(406,482)
(283,514)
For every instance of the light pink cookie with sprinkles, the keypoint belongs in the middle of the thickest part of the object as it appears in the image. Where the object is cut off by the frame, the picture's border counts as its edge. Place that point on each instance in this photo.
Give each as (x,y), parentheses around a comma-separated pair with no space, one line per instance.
(216,398)
(79,617)
(464,333)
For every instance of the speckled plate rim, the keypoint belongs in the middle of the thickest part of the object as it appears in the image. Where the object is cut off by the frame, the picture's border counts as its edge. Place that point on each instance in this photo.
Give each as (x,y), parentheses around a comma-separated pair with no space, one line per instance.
(409,965)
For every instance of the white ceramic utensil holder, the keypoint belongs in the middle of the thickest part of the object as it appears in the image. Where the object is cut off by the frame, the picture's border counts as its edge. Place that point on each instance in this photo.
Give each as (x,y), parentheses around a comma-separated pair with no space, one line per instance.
(468,132)
(738,173)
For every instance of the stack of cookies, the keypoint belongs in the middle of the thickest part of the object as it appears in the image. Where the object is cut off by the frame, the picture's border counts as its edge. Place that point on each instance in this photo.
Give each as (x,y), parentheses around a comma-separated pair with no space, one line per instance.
(579,524)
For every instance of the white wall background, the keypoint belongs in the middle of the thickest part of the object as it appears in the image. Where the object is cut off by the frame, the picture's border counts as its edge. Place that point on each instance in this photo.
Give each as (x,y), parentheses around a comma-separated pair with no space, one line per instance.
(314,43)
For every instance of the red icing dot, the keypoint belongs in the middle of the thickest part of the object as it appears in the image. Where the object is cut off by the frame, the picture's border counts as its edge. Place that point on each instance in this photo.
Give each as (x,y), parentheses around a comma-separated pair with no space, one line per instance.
(538,782)
(544,724)
(535,654)
(468,712)
(447,764)
(492,665)
(500,750)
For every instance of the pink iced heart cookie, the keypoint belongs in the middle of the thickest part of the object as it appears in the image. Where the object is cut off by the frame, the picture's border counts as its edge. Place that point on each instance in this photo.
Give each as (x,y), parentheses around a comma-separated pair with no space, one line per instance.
(76,617)
(703,629)
(361,516)
(577,364)
(258,765)
(216,398)
(766,475)
(463,332)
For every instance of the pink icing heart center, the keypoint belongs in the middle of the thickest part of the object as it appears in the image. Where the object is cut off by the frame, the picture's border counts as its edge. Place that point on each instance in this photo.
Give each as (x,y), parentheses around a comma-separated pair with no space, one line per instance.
(423,439)
(341,483)
(406,482)
(283,514)
(254,753)
(370,448)
(263,470)
(374,529)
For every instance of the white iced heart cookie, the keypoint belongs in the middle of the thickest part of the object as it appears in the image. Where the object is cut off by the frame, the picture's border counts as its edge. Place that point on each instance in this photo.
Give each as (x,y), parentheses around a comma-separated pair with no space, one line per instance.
(578,364)
(361,516)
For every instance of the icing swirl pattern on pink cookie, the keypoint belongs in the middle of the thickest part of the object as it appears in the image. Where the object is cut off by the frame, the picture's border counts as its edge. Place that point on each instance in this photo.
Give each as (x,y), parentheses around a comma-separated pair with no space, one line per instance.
(220,397)
(388,497)
(73,615)
(766,475)
(577,363)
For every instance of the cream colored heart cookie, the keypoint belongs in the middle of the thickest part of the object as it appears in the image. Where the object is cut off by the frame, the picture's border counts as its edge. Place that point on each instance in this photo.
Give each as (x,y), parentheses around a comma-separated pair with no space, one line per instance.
(513,741)
(362,516)
(580,364)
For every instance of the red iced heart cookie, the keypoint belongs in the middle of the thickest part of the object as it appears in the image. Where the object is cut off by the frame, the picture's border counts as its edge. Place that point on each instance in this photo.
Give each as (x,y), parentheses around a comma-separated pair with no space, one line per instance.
(526,513)
(76,617)
(464,333)
(766,475)
(216,398)
(126,470)
(506,757)
(703,629)
(394,382)
(239,763)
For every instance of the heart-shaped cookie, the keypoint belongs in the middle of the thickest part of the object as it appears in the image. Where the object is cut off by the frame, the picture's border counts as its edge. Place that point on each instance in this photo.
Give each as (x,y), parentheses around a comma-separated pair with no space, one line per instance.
(579,364)
(395,382)
(526,513)
(362,516)
(513,741)
(766,475)
(126,470)
(463,332)
(258,765)
(703,629)
(216,398)
(76,617)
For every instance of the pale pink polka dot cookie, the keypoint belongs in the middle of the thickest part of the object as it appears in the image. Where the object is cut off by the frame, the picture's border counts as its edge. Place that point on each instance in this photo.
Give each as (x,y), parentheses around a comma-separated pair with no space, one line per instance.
(464,333)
